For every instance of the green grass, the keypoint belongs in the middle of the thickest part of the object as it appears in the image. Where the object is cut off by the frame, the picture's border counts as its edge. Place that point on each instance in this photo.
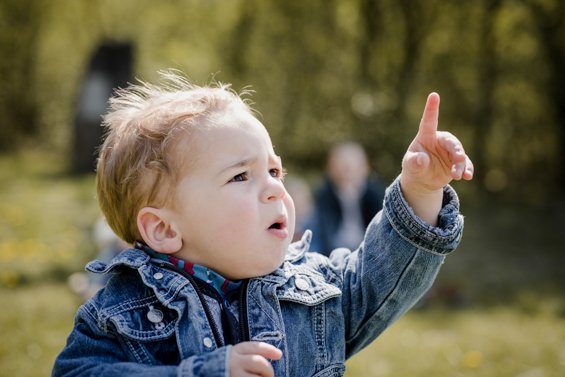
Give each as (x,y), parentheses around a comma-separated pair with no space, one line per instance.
(46,218)
(497,308)
(34,323)
(492,342)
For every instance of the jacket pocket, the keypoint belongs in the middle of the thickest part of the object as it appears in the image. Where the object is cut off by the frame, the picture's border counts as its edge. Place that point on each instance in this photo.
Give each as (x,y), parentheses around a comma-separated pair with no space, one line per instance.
(147,330)
(143,320)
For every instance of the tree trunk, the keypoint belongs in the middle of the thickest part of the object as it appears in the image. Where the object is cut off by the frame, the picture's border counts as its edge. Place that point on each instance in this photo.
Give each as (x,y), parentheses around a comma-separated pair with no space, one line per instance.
(551,27)
(482,118)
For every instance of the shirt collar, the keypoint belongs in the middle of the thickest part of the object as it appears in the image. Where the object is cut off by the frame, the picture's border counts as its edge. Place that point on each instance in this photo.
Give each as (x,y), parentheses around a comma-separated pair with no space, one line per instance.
(220,284)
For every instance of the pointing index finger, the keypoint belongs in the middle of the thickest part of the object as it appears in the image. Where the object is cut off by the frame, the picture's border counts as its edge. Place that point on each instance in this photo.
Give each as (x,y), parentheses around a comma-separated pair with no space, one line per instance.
(429,121)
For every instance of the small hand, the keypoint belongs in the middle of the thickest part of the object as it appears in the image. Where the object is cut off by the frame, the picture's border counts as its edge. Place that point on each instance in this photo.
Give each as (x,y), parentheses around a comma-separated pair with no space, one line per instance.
(250,359)
(432,160)
(434,157)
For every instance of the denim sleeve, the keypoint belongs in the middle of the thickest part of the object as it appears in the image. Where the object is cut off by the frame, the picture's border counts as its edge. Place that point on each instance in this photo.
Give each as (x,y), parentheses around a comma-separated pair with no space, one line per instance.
(394,266)
(90,351)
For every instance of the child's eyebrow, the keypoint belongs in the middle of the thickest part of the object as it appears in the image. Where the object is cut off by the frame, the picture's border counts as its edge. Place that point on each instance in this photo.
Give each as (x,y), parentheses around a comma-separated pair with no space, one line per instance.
(239,164)
(249,161)
(277,159)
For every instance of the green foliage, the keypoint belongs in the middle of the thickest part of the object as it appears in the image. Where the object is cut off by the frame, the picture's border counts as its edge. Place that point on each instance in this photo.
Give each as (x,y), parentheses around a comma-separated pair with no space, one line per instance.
(322,71)
(19,26)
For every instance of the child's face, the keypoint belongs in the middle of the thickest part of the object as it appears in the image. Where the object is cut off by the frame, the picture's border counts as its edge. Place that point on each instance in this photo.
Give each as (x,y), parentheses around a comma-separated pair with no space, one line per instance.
(231,207)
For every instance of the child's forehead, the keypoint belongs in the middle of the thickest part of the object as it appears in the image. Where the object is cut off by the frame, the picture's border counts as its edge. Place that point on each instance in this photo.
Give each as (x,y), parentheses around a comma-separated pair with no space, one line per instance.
(238,122)
(225,137)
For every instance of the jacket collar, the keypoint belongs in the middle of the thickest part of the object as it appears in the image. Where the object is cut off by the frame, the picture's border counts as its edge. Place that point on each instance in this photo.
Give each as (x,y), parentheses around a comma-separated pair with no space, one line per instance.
(297,249)
(131,258)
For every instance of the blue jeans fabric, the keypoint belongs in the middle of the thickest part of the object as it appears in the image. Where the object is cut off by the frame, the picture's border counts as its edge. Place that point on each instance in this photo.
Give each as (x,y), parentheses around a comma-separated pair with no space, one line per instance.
(149,321)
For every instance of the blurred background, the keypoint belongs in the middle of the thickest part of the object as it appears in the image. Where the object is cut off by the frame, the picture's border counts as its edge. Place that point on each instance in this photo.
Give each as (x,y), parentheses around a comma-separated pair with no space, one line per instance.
(322,71)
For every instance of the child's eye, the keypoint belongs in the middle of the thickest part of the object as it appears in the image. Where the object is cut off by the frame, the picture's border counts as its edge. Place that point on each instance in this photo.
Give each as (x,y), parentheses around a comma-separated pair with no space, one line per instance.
(239,177)
(277,173)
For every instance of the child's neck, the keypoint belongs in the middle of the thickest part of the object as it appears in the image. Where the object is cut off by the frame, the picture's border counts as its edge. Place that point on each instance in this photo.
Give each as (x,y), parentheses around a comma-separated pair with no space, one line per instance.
(220,284)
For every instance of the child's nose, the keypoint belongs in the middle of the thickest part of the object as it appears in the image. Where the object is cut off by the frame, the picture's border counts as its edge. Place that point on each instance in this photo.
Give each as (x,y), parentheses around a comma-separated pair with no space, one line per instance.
(273,190)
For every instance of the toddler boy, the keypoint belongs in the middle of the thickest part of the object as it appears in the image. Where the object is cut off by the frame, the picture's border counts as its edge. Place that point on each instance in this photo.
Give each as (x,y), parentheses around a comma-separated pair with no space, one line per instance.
(212,285)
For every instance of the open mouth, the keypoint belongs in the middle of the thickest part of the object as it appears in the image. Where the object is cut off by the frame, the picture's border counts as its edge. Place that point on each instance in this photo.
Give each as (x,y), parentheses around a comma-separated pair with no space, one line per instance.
(278,228)
(277,225)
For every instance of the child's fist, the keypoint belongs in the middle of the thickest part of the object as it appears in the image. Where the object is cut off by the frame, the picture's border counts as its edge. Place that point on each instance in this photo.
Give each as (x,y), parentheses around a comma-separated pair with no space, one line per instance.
(250,359)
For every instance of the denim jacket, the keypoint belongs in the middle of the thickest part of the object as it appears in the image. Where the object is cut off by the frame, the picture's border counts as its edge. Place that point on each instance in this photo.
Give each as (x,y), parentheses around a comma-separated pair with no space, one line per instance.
(319,311)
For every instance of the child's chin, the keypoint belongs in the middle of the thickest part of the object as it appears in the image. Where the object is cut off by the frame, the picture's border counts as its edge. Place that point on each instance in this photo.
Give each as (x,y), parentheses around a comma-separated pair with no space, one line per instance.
(271,268)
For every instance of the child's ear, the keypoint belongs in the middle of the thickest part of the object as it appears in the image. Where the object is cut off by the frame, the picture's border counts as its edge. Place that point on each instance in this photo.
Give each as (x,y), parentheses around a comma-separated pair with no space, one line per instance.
(158,230)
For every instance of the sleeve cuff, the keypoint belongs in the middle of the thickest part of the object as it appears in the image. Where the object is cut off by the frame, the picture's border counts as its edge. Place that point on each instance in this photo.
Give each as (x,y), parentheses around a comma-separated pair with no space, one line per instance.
(442,239)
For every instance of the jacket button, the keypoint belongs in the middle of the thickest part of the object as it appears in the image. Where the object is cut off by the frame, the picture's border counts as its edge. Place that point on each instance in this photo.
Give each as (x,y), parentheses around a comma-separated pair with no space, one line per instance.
(207,342)
(158,275)
(154,315)
(302,284)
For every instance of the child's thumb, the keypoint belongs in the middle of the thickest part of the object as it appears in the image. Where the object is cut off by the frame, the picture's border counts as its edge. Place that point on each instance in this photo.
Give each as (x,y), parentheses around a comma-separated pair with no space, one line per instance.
(414,162)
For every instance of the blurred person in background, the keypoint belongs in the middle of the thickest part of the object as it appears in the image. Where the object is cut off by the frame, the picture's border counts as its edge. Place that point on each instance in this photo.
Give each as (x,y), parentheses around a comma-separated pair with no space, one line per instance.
(348,199)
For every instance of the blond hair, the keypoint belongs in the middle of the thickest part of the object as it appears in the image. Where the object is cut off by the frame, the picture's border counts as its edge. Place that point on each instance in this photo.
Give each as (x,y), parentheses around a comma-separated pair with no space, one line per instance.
(136,165)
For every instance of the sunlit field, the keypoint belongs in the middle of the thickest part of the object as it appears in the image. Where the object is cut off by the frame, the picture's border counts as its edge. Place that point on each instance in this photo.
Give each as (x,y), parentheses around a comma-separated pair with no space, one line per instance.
(45,221)
(45,234)
(487,343)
